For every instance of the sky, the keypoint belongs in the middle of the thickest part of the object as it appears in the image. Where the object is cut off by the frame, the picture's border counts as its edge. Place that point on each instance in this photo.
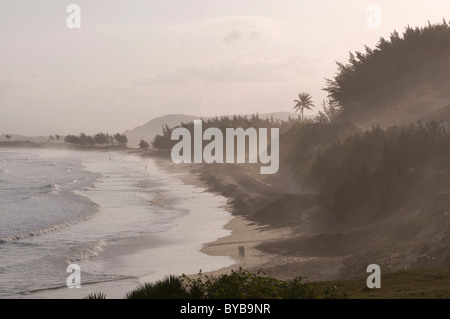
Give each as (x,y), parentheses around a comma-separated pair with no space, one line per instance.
(131,61)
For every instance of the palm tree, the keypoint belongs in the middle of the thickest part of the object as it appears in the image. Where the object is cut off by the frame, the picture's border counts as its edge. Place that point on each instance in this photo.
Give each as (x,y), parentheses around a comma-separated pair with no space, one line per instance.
(304,102)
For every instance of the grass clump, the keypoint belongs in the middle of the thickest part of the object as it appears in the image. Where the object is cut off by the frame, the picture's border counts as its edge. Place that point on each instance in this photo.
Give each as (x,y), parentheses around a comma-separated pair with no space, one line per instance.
(95,295)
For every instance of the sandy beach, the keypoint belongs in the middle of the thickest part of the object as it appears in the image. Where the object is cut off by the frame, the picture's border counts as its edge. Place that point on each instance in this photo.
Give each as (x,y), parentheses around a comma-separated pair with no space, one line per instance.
(158,219)
(282,266)
(249,234)
(149,224)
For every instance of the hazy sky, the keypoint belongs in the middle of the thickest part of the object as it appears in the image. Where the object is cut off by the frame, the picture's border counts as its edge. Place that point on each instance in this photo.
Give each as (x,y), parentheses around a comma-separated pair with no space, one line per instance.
(135,60)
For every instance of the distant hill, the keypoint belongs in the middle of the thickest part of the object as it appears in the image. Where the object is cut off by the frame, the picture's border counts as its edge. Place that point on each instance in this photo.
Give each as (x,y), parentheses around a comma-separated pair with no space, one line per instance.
(154,127)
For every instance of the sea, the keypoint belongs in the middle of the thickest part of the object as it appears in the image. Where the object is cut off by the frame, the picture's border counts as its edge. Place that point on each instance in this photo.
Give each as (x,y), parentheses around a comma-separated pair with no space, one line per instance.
(119,217)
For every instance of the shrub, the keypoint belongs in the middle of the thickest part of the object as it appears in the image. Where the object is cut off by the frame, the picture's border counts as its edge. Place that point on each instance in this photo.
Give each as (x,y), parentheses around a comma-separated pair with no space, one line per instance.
(170,287)
(375,170)
(239,284)
(96,295)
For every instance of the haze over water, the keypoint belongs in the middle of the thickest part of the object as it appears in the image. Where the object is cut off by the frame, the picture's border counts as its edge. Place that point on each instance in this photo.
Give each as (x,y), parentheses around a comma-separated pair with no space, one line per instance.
(62,207)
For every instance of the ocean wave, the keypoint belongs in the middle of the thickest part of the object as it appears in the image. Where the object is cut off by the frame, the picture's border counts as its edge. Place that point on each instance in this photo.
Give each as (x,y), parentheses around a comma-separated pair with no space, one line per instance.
(158,203)
(40,193)
(91,249)
(50,187)
(73,181)
(47,230)
(157,200)
(94,248)
(55,189)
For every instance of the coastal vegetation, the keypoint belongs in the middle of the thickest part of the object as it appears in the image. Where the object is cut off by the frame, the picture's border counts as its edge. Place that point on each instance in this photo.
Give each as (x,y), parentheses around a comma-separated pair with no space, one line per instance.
(303,103)
(164,141)
(376,170)
(429,283)
(382,76)
(364,194)
(99,139)
(238,284)
(331,110)
(143,144)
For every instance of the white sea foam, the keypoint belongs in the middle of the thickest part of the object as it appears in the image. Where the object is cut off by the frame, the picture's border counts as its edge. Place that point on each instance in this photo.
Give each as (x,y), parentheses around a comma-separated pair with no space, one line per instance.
(73,181)
(34,202)
(48,220)
(88,250)
(46,230)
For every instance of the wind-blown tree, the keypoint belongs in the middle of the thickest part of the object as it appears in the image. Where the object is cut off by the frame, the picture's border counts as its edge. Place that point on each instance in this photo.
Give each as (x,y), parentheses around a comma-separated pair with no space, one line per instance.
(377,171)
(101,139)
(86,139)
(121,139)
(72,139)
(304,102)
(331,111)
(143,144)
(164,141)
(110,139)
(415,60)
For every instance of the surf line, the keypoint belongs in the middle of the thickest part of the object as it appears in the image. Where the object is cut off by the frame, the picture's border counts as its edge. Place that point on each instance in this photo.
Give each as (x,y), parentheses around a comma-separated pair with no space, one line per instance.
(213,152)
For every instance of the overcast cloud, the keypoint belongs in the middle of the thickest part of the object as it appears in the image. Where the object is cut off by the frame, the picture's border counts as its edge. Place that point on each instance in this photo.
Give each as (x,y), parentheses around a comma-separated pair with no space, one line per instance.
(134,60)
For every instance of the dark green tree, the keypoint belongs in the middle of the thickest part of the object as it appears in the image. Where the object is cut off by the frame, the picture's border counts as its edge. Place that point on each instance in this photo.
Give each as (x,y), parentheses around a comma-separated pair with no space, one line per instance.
(86,140)
(331,111)
(396,66)
(72,139)
(143,144)
(121,139)
(101,139)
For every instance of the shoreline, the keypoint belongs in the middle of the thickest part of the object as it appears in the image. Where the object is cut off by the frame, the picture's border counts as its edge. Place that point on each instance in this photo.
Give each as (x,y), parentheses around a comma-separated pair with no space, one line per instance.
(248,233)
(200,218)
(244,232)
(238,230)
(156,255)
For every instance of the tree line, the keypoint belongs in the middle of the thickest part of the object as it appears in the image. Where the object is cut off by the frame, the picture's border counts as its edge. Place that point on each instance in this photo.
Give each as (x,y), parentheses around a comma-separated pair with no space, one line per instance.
(164,141)
(99,139)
